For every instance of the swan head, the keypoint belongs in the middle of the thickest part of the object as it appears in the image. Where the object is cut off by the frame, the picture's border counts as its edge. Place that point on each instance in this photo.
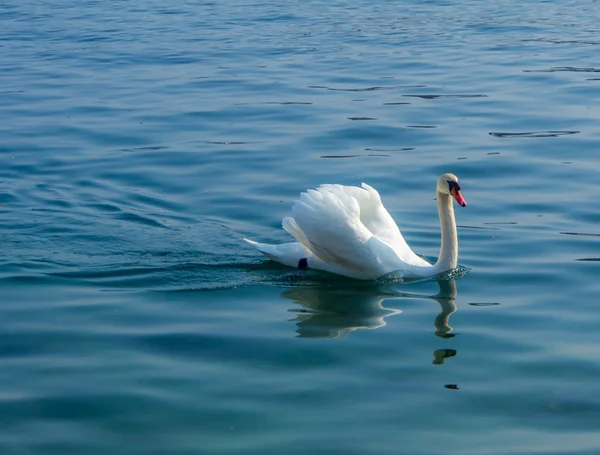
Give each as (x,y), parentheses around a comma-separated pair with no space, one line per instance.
(448,184)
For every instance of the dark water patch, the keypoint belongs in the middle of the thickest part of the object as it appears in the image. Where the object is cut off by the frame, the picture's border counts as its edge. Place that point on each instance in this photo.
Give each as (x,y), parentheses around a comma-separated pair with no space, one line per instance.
(451,386)
(12,91)
(377,154)
(58,203)
(421,126)
(108,208)
(484,303)
(582,234)
(593,79)
(7,198)
(366,89)
(550,133)
(394,104)
(571,69)
(434,97)
(588,260)
(462,158)
(400,149)
(339,156)
(62,203)
(493,153)
(362,118)
(501,223)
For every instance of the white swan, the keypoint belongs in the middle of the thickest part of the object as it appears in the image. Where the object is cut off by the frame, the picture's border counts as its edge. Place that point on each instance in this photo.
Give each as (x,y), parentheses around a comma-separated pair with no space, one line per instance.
(346,230)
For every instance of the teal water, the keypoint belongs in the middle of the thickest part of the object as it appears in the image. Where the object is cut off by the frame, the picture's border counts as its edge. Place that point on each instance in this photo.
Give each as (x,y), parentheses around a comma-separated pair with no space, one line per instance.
(140,140)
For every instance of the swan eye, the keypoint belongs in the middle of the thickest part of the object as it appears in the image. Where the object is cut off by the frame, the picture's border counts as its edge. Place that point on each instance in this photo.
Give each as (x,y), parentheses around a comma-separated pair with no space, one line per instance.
(453,185)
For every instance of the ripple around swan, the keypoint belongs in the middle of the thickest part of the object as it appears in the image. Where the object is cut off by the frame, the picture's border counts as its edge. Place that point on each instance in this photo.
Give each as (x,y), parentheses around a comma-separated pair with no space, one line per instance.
(169,277)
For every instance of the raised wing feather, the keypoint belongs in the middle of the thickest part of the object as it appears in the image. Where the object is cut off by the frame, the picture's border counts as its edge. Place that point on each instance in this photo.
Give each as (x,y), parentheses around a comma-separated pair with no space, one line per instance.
(378,221)
(349,227)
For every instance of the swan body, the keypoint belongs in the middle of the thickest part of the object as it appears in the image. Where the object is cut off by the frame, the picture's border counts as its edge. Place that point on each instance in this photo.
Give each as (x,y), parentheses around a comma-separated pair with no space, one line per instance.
(346,230)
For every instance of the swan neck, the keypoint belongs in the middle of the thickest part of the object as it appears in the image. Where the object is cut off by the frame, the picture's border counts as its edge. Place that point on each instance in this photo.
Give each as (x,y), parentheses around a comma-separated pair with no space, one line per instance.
(448,258)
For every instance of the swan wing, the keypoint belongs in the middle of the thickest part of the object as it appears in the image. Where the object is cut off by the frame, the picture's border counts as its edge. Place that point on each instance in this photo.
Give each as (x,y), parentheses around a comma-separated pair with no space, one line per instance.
(332,223)
(378,221)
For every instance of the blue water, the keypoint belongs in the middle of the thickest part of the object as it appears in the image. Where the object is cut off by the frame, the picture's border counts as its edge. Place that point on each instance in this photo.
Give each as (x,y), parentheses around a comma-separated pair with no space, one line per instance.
(140,140)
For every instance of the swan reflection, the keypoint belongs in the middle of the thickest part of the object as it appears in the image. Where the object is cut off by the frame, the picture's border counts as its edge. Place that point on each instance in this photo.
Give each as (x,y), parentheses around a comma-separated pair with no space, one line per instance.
(334,312)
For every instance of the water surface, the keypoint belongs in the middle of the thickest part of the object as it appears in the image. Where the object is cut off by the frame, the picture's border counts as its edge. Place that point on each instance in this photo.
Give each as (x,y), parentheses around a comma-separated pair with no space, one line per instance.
(140,140)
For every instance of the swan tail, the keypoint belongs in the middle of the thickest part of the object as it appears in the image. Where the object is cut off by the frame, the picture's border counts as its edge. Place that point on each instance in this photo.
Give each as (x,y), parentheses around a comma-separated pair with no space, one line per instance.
(288,254)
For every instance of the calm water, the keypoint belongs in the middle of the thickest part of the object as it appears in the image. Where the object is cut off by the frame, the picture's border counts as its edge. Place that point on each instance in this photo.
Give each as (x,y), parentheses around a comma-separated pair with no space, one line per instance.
(140,139)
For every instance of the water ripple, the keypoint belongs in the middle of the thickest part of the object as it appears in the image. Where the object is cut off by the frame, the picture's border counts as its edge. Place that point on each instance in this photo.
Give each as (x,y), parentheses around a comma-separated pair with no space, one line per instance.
(533,134)
(366,89)
(281,103)
(393,149)
(434,97)
(583,234)
(560,41)
(558,69)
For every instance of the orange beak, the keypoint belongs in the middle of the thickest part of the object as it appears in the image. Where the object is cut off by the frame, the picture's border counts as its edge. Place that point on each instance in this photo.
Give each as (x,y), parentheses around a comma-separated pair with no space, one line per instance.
(456,195)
